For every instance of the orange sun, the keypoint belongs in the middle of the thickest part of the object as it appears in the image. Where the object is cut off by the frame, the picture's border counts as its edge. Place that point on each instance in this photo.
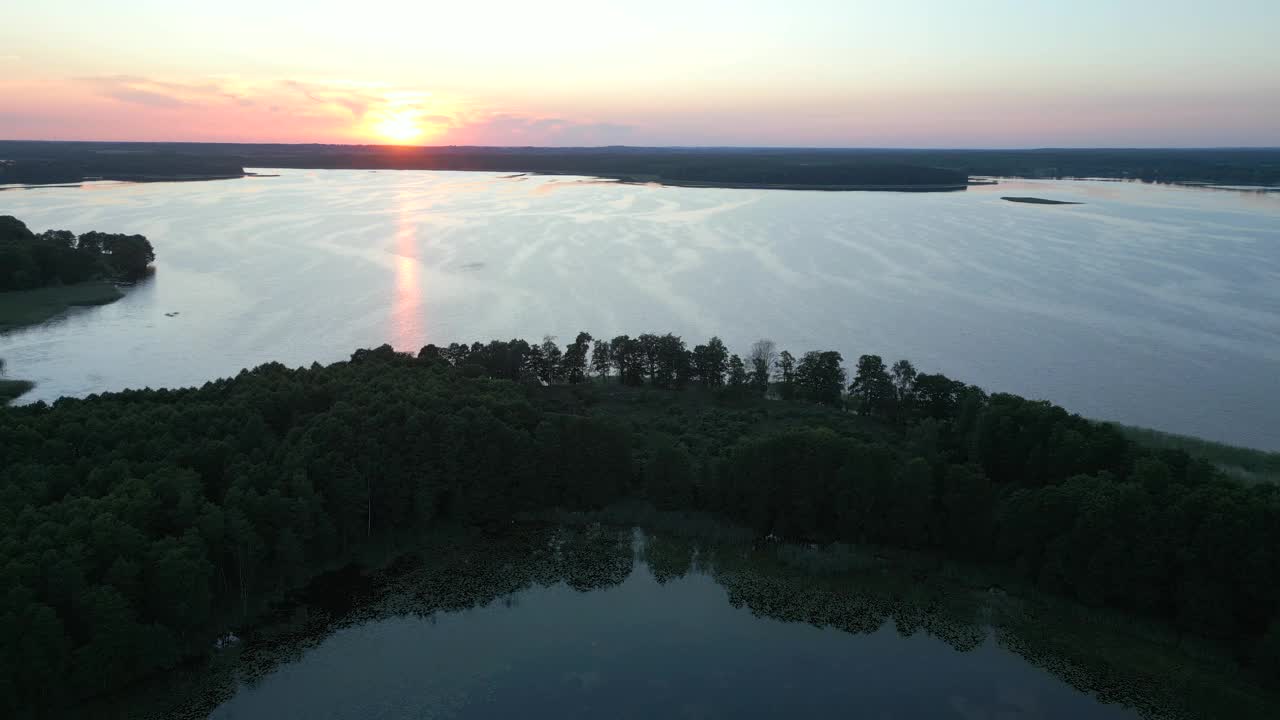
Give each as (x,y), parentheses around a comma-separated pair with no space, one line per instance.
(399,127)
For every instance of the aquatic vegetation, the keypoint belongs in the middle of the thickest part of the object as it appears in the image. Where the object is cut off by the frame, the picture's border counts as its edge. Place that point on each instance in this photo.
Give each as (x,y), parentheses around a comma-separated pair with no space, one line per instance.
(459,571)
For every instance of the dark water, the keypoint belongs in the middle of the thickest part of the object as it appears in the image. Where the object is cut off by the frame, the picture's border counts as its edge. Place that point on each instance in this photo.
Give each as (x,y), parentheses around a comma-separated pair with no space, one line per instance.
(603,622)
(1149,305)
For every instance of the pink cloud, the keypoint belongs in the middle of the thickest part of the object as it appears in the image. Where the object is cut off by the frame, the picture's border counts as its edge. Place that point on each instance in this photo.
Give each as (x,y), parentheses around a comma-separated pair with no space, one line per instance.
(516,129)
(127,107)
(229,109)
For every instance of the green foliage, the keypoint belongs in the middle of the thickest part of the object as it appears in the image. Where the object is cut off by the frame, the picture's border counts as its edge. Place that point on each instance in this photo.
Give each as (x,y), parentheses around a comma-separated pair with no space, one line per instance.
(57,257)
(738,378)
(575,358)
(669,475)
(136,527)
(601,358)
(1243,463)
(786,375)
(820,377)
(710,362)
(873,388)
(764,354)
(139,526)
(628,359)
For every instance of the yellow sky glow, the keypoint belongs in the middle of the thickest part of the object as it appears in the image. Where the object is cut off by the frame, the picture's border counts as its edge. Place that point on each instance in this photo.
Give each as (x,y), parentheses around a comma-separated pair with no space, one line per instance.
(990,73)
(399,127)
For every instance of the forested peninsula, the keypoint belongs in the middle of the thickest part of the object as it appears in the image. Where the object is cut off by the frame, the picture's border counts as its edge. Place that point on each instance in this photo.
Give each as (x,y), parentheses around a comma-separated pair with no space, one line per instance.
(58,257)
(139,526)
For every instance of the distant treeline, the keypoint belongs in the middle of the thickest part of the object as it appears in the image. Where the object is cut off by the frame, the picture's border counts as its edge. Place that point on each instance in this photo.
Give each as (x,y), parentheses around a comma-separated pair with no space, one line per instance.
(29,260)
(38,163)
(1224,166)
(67,162)
(70,161)
(136,527)
(1244,464)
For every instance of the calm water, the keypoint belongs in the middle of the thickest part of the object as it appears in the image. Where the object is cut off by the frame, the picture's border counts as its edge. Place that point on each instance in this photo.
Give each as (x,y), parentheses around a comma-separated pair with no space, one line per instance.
(578,625)
(1155,306)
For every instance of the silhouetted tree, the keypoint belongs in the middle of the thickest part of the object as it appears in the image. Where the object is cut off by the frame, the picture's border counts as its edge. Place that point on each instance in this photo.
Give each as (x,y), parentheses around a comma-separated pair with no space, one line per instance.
(671,362)
(904,381)
(127,255)
(786,375)
(738,378)
(602,358)
(873,387)
(820,377)
(628,359)
(551,361)
(762,358)
(575,359)
(710,362)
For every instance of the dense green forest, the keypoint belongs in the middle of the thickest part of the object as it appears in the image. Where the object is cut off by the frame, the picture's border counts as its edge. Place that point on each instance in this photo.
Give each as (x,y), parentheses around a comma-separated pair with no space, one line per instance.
(139,526)
(30,260)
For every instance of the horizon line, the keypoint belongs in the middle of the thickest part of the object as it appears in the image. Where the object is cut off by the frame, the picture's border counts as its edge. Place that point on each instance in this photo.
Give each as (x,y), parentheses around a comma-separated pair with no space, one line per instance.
(899,148)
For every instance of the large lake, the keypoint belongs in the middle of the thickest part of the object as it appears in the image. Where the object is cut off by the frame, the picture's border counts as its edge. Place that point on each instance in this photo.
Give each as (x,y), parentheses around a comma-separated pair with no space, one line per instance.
(613,623)
(1150,305)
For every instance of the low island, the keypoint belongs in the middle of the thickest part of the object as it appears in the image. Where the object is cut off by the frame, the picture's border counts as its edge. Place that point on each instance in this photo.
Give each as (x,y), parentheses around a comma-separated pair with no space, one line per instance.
(1038,201)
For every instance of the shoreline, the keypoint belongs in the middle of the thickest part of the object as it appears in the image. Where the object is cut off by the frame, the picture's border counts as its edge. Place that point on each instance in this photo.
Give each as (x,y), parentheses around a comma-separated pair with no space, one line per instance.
(848,168)
(26,308)
(128,179)
(788,186)
(303,617)
(620,179)
(973,181)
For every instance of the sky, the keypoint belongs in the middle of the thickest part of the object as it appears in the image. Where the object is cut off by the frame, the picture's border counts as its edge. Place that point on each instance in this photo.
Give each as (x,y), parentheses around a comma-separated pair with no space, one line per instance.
(817,73)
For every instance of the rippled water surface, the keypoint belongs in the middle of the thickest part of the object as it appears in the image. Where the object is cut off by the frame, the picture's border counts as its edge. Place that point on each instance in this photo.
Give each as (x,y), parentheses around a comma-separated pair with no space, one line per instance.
(1157,306)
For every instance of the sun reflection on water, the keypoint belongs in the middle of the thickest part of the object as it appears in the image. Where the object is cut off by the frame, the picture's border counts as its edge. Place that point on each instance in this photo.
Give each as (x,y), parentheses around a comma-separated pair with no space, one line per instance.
(406,310)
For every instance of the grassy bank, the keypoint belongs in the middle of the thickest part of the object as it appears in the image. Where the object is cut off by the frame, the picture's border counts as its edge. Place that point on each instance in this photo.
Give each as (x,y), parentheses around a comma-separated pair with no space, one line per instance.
(10,389)
(1242,463)
(19,308)
(29,307)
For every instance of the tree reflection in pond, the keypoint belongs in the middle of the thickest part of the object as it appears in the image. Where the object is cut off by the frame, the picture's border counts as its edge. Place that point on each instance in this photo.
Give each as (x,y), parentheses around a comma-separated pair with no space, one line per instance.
(591,620)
